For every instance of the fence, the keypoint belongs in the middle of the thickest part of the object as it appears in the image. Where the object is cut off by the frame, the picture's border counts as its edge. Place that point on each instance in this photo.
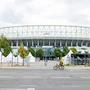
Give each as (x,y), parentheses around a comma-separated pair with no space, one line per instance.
(80,59)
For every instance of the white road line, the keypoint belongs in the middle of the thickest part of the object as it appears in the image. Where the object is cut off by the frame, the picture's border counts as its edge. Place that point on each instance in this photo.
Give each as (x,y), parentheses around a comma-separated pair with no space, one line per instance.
(27,85)
(61,77)
(78,73)
(40,77)
(30,88)
(5,77)
(13,89)
(32,77)
(70,86)
(22,77)
(85,77)
(16,89)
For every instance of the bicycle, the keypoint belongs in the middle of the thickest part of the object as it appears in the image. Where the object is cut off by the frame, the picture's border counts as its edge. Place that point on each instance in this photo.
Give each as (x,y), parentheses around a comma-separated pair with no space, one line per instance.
(58,67)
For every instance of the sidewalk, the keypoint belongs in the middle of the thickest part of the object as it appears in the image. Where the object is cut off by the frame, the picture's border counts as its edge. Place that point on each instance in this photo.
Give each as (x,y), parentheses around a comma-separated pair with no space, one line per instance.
(78,67)
(41,65)
(47,67)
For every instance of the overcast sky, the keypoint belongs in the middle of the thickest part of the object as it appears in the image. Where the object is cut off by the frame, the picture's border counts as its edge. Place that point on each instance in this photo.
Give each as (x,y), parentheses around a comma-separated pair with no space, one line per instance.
(22,12)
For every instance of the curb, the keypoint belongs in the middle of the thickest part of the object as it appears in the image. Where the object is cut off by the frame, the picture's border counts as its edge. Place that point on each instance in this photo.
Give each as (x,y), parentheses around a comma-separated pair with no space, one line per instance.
(43,68)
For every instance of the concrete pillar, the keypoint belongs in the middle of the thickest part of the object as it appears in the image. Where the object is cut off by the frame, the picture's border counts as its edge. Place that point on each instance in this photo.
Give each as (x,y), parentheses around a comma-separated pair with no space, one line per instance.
(81,43)
(11,43)
(17,43)
(66,43)
(49,42)
(55,43)
(71,43)
(60,43)
(77,43)
(43,43)
(32,43)
(27,43)
(38,43)
(86,43)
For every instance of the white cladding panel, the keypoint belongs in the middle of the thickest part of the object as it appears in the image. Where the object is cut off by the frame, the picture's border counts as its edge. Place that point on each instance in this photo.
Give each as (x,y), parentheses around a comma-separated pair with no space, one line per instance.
(46,31)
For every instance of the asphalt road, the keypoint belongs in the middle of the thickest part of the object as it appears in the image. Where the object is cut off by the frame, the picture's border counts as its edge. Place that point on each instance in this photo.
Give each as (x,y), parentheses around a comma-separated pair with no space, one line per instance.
(31,79)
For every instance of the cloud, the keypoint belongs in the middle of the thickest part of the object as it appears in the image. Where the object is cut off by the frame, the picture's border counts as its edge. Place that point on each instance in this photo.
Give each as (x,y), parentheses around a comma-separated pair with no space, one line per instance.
(19,12)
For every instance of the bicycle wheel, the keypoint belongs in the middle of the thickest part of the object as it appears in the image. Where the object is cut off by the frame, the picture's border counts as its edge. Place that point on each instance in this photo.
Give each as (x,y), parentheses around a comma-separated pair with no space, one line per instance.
(55,68)
(62,68)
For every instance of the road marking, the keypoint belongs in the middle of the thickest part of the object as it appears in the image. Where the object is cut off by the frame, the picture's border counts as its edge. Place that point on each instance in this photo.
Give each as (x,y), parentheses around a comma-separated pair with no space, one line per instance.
(70,86)
(5,77)
(40,77)
(85,77)
(16,89)
(32,77)
(30,88)
(27,85)
(61,77)
(78,73)
(22,77)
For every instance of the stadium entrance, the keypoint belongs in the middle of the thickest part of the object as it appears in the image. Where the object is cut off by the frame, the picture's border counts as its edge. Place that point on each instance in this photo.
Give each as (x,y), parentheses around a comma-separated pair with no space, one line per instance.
(48,52)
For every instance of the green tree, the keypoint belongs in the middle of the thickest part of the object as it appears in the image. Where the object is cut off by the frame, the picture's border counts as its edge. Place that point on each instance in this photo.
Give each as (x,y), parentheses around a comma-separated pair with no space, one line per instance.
(5,47)
(32,51)
(39,53)
(65,51)
(23,52)
(58,53)
(74,50)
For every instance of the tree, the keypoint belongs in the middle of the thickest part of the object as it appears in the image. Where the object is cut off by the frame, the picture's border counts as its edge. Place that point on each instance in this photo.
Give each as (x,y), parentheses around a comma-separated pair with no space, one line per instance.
(39,53)
(5,47)
(57,53)
(65,51)
(23,52)
(32,51)
(74,50)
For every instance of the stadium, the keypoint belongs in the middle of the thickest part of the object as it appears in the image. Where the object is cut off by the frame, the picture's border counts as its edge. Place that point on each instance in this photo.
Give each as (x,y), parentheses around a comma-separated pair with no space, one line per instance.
(47,35)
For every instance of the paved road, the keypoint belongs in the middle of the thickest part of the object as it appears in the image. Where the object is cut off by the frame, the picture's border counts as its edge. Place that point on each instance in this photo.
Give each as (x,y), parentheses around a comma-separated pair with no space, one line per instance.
(31,79)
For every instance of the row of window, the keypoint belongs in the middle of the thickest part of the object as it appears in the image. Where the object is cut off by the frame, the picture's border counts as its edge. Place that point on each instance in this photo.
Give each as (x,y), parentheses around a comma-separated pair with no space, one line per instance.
(51,43)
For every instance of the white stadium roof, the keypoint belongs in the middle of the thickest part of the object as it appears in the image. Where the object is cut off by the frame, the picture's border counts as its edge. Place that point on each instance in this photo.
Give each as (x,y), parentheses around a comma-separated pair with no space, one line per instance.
(46,32)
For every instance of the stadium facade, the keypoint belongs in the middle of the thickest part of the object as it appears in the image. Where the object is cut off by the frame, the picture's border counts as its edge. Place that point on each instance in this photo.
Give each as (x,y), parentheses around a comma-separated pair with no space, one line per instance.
(47,35)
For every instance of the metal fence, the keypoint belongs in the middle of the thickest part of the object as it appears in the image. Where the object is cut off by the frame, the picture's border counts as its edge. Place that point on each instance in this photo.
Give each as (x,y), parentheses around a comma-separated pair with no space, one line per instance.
(80,59)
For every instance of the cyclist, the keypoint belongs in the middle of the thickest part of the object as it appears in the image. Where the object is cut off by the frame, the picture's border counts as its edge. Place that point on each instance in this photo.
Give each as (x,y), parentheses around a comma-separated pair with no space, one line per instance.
(59,66)
(61,63)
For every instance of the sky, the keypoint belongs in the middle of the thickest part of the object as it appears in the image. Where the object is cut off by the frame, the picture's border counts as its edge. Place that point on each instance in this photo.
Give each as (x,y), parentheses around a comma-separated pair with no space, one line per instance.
(44,12)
